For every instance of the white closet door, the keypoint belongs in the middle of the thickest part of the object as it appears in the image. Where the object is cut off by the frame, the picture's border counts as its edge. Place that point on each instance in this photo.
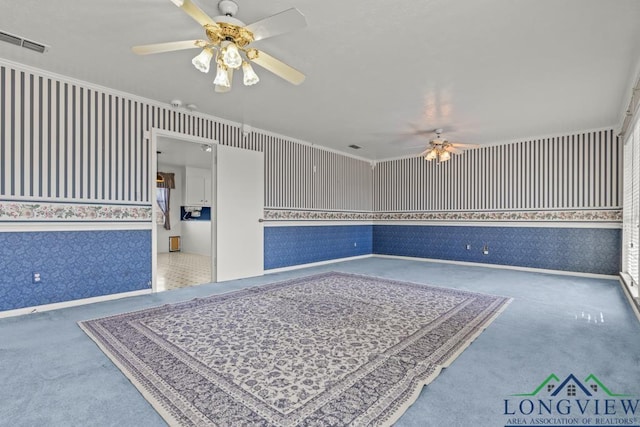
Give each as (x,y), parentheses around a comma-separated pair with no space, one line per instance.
(239,207)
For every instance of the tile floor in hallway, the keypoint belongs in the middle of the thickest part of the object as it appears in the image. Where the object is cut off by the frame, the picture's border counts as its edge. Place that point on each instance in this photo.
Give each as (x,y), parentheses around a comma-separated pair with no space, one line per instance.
(180,270)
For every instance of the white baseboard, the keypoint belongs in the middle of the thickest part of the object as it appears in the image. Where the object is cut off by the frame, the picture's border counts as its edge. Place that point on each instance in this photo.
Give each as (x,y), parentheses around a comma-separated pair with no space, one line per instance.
(315,264)
(74,303)
(504,267)
(627,293)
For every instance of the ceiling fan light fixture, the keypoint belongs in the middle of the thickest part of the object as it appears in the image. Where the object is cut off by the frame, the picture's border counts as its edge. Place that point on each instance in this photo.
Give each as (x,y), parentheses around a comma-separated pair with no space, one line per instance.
(431,155)
(202,61)
(231,56)
(250,76)
(222,77)
(227,40)
(444,156)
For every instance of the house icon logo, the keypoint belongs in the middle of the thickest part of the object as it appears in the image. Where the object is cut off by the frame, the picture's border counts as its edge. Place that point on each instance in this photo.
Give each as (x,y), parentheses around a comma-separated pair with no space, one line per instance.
(571,387)
(572,401)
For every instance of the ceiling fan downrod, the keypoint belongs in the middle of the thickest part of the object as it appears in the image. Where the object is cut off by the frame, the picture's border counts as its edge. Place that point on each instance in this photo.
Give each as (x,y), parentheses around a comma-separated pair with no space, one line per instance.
(228,8)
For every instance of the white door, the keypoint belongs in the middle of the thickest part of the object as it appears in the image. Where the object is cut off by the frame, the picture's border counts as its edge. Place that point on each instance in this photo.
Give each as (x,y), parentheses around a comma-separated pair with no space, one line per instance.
(239,208)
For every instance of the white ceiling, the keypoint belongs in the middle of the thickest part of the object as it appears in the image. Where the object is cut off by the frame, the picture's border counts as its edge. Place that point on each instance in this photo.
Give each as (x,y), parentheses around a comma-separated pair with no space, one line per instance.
(181,153)
(487,71)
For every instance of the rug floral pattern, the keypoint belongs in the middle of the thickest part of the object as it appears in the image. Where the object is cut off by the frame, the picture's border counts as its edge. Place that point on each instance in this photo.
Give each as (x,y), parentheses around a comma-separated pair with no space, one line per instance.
(331,349)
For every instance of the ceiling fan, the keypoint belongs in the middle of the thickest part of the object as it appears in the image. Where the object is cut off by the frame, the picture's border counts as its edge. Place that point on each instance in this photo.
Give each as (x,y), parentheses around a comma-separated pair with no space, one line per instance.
(227,43)
(440,149)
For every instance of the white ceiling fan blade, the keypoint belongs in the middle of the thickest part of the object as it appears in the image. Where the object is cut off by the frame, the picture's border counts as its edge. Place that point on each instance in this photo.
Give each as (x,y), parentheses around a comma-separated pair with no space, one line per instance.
(283,22)
(454,150)
(148,49)
(195,12)
(276,66)
(424,153)
(463,145)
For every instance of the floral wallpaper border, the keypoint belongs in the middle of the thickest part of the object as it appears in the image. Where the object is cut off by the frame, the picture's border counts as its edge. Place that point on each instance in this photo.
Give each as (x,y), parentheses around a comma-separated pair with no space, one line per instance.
(296,215)
(47,212)
(591,215)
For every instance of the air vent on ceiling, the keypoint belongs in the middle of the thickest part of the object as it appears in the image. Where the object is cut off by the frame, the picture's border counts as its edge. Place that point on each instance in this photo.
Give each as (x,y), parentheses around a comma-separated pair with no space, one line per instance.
(19,41)
(355,147)
(9,38)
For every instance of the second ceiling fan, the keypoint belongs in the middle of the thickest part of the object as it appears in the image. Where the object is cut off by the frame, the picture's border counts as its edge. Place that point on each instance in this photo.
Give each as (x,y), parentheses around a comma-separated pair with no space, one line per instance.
(440,149)
(227,43)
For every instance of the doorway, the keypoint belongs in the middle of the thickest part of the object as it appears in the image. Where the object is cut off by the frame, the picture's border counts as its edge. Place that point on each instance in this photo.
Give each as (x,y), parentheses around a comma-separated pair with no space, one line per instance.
(183,255)
(223,204)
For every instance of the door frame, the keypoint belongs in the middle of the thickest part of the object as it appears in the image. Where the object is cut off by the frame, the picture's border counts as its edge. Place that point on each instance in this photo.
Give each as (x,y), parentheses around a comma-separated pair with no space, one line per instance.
(154,134)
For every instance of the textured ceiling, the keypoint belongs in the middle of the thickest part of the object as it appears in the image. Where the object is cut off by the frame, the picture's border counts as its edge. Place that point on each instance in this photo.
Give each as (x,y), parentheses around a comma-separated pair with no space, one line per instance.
(487,71)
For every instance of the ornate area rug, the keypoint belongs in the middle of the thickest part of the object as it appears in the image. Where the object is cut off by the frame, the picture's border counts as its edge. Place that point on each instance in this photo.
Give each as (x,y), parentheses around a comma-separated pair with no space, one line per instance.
(331,349)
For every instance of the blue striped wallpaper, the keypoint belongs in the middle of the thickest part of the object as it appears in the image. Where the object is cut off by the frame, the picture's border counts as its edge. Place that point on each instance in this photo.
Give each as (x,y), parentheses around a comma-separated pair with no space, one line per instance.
(72,265)
(62,140)
(581,170)
(70,140)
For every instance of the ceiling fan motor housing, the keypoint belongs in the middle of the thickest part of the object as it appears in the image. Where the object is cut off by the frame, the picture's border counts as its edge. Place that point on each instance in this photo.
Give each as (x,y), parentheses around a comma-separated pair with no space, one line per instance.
(229,28)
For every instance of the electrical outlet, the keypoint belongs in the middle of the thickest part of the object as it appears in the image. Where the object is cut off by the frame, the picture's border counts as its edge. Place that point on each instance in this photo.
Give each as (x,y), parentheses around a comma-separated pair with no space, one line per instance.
(485,250)
(36,278)
(355,244)
(468,246)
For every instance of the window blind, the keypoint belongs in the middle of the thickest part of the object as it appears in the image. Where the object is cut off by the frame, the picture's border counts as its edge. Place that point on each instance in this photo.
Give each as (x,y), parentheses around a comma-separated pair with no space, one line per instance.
(631,206)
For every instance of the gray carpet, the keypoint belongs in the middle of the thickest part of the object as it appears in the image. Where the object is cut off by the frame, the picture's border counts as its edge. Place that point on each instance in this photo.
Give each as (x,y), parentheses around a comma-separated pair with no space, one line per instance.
(53,375)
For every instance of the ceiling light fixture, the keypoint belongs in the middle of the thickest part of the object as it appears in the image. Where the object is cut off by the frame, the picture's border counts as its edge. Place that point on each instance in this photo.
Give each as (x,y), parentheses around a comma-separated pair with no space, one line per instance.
(431,155)
(229,39)
(222,77)
(202,61)
(438,152)
(250,76)
(440,149)
(231,56)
